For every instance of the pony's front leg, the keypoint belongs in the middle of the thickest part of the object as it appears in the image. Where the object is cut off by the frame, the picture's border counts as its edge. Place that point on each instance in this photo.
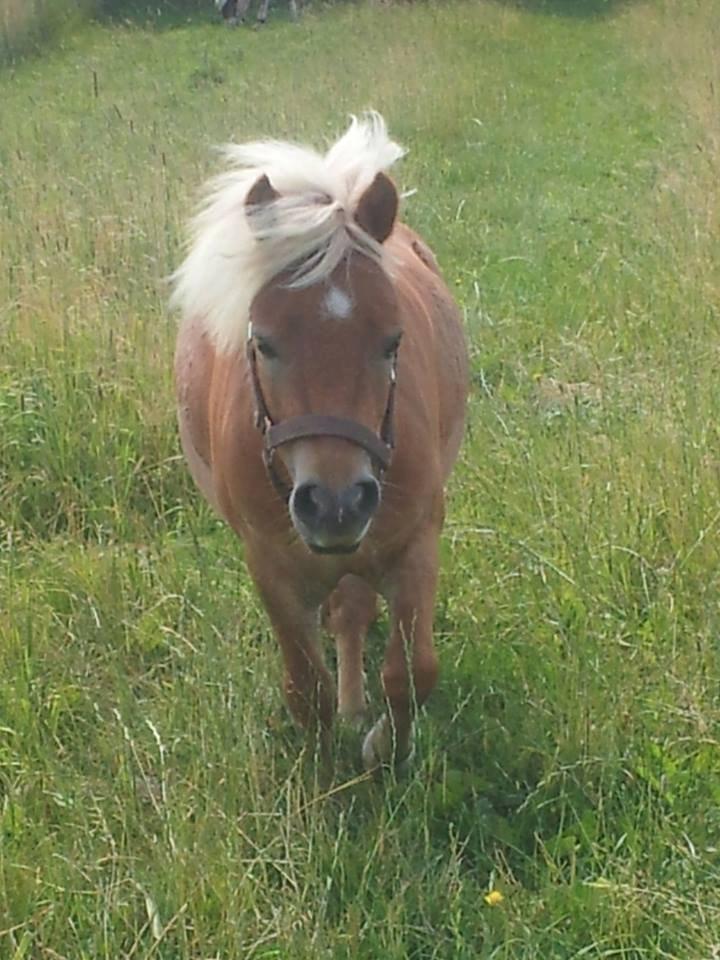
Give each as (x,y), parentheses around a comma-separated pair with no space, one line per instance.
(351,608)
(410,668)
(308,685)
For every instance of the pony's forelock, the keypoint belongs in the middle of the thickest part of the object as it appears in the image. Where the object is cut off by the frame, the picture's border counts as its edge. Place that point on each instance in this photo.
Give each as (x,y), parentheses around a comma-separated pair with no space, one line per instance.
(234,251)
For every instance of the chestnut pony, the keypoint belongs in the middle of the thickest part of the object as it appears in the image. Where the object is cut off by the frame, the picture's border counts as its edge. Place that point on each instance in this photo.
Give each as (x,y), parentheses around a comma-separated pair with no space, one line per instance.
(321,376)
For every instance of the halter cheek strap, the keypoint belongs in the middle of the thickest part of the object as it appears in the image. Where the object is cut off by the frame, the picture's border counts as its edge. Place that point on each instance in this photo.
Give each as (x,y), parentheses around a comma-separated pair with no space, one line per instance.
(379,447)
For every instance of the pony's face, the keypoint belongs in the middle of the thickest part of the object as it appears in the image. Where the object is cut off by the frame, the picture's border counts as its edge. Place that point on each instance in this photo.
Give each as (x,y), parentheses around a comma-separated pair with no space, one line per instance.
(329,349)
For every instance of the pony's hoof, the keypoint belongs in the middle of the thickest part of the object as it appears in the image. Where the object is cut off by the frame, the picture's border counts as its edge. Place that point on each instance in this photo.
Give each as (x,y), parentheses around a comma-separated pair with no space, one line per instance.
(380,749)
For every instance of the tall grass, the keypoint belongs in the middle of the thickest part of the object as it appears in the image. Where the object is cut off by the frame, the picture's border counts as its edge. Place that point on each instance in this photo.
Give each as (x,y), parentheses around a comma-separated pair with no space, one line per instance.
(154,800)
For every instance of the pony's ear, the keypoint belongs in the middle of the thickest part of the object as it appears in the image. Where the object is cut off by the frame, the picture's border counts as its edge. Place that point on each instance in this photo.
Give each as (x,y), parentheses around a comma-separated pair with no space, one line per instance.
(260,194)
(378,207)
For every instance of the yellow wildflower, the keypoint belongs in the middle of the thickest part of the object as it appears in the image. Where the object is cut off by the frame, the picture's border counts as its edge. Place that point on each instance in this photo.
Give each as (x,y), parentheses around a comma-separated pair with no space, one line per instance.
(494,898)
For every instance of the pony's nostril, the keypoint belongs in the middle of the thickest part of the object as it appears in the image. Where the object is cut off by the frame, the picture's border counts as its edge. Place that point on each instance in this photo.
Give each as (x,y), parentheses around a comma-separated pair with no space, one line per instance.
(364,498)
(307,502)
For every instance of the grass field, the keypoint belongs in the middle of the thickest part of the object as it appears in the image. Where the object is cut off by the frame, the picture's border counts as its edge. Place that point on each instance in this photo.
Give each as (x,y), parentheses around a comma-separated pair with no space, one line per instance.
(155,802)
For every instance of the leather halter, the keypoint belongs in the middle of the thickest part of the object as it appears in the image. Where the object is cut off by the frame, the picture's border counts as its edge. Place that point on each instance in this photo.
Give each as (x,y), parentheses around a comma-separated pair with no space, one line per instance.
(378,446)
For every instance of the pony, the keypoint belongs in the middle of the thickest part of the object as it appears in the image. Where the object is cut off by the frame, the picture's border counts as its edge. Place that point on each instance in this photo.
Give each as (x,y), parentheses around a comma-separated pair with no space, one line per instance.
(321,376)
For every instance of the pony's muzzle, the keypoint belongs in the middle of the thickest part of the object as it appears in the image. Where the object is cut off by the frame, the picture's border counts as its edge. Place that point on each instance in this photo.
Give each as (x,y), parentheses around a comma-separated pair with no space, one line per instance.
(334,521)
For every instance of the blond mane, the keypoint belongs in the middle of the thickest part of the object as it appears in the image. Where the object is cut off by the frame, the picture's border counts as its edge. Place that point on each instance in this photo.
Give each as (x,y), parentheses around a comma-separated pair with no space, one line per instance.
(311,222)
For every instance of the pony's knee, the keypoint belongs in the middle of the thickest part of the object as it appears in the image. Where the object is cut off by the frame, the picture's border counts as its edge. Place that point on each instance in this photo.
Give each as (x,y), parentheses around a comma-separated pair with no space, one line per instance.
(403,689)
(425,674)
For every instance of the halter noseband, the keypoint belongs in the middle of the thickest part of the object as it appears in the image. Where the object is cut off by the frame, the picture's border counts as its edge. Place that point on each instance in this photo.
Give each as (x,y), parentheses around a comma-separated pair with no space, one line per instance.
(378,446)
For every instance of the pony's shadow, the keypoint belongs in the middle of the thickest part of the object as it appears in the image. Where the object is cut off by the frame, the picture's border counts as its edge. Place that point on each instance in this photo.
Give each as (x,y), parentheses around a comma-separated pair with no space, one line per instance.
(479,775)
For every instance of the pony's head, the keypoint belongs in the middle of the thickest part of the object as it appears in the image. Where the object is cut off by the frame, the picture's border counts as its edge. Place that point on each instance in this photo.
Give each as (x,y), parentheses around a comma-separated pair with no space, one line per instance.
(322,360)
(288,264)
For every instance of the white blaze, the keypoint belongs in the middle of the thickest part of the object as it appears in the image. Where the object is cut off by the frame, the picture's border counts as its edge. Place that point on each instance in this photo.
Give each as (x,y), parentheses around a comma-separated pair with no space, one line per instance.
(338,303)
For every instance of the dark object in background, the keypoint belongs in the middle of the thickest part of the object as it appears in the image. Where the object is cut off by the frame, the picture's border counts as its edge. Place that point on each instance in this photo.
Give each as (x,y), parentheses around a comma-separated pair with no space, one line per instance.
(234,11)
(229,11)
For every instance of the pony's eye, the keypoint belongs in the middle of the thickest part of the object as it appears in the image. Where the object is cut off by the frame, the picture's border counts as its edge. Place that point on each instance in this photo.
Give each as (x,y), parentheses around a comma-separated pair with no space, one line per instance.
(266,349)
(391,346)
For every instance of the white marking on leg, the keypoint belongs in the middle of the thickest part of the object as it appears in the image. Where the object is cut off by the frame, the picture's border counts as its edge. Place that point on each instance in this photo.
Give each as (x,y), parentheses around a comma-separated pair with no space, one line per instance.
(378,748)
(351,686)
(338,303)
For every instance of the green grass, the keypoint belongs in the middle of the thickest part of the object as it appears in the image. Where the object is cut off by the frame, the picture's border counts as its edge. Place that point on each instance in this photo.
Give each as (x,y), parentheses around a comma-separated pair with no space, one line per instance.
(154,799)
